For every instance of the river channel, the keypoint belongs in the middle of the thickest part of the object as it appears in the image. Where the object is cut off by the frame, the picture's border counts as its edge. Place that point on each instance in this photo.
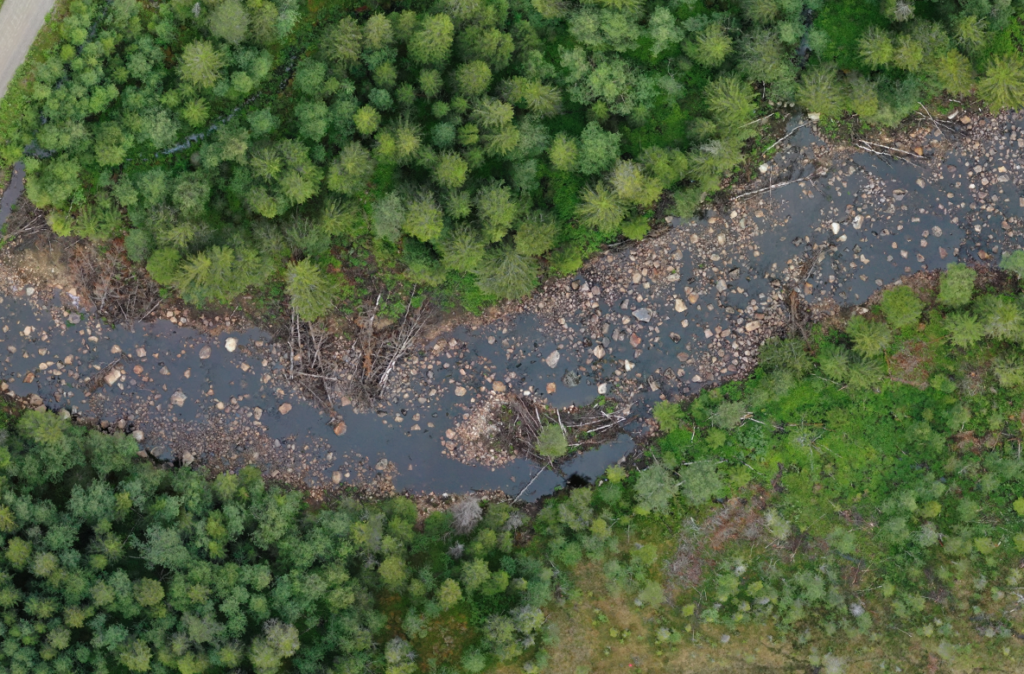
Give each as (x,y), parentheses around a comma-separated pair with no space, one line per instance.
(659,319)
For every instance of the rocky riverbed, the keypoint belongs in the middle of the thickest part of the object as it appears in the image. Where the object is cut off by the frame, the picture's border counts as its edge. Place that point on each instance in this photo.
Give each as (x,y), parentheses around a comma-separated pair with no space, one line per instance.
(821,230)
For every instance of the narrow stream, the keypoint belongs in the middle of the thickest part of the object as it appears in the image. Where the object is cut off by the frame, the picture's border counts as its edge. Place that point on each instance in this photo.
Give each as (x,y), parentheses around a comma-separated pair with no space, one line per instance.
(864,223)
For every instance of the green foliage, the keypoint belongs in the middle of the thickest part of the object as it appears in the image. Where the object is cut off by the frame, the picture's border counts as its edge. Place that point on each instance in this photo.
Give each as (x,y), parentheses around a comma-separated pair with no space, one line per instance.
(902,307)
(551,442)
(211,125)
(311,293)
(1002,86)
(870,338)
(956,285)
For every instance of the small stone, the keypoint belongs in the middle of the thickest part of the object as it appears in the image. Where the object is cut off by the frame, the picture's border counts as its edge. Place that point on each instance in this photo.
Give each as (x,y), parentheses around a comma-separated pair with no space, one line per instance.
(112,377)
(205,353)
(460,391)
(188,458)
(551,387)
(285,408)
(696,379)
(382,464)
(30,291)
(178,398)
(637,277)
(683,356)
(552,359)
(751,326)
(835,228)
(140,352)
(115,349)
(599,352)
(257,413)
(340,428)
(164,371)
(65,415)
(814,116)
(498,386)
(336,477)
(29,378)
(231,344)
(74,319)
(680,305)
(450,434)
(763,168)
(634,340)
(34,400)
(627,365)
(139,436)
(692,298)
(721,286)
(643,315)
(602,389)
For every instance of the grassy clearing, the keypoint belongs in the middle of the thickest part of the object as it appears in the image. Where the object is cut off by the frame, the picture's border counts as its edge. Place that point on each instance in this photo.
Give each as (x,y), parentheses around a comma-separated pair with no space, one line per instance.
(859,500)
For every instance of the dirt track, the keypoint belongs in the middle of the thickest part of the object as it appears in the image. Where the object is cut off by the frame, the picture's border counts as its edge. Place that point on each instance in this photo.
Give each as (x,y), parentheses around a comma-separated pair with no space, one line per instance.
(20,20)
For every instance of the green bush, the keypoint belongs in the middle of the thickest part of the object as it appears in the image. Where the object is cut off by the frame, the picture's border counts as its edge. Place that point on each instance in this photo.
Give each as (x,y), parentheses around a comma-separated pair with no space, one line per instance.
(956,285)
(551,442)
(902,307)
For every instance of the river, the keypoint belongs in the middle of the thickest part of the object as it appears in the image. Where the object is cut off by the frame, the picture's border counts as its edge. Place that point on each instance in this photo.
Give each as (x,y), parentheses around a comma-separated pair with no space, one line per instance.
(839,226)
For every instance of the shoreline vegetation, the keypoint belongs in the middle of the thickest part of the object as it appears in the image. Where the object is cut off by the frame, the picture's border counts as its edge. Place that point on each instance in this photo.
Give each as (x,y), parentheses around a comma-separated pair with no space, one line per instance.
(327,152)
(861,492)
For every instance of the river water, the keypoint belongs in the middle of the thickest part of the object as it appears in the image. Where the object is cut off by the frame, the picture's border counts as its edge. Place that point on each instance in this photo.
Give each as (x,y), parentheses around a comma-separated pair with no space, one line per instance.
(863,223)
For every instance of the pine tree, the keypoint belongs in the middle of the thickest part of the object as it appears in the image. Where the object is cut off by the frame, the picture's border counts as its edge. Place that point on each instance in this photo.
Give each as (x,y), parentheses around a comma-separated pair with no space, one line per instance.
(507,273)
(229,21)
(969,31)
(955,73)
(473,79)
(388,216)
(956,285)
(1003,83)
(963,329)
(902,307)
(870,338)
(820,92)
(731,102)
(430,83)
(432,42)
(551,442)
(600,209)
(711,46)
(630,184)
(378,32)
(195,112)
(463,249)
(350,171)
(493,114)
(875,48)
(496,210)
(563,152)
(344,42)
(200,64)
(862,96)
(908,53)
(761,11)
(451,170)
(536,233)
(423,218)
(367,120)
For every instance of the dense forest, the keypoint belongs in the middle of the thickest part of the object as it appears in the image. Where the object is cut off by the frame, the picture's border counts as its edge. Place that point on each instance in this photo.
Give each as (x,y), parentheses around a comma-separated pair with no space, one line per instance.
(861,492)
(232,143)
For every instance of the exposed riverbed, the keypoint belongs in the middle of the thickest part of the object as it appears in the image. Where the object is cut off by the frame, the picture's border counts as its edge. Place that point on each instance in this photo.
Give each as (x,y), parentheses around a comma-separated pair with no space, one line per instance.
(660,319)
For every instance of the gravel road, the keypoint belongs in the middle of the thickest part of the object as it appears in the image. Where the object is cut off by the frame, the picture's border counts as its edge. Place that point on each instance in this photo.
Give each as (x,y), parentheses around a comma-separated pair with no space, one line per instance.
(20,20)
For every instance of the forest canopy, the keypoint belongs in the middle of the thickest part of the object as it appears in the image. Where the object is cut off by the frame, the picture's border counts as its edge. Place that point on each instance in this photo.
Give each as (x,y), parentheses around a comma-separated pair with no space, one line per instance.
(226,141)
